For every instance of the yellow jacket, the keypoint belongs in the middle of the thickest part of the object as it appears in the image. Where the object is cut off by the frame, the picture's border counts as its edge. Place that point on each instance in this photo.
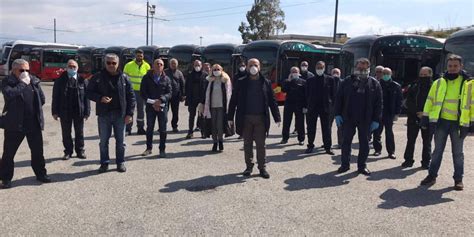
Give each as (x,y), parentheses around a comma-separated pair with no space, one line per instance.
(136,72)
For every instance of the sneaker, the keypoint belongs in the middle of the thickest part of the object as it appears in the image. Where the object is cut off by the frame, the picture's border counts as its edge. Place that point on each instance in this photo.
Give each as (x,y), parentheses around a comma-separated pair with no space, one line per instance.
(264,174)
(147,152)
(121,168)
(458,185)
(428,181)
(425,166)
(103,168)
(301,143)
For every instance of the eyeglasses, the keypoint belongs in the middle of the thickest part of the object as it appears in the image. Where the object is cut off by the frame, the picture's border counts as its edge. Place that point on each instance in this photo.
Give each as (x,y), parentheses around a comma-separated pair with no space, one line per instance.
(111,63)
(24,70)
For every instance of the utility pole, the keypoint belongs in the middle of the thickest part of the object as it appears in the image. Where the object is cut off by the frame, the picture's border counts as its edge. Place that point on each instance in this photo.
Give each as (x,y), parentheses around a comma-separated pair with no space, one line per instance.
(335,22)
(147,10)
(54,30)
(150,9)
(200,40)
(152,12)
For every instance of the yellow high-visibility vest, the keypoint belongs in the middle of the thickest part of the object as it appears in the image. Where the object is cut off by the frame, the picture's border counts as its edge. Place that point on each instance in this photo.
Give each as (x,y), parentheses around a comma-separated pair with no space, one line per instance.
(136,72)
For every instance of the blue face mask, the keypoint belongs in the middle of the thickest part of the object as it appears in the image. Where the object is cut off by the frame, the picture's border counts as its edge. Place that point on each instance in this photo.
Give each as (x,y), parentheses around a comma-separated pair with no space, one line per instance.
(387,77)
(71,72)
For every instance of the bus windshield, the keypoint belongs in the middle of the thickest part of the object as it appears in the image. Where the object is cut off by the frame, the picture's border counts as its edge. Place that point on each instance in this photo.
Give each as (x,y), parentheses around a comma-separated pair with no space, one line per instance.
(221,58)
(184,58)
(267,58)
(464,48)
(85,62)
(57,58)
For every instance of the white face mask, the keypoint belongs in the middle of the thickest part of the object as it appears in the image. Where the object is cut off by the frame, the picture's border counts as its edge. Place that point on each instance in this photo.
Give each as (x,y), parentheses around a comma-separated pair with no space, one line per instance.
(362,73)
(24,75)
(304,68)
(197,68)
(336,75)
(241,69)
(217,73)
(253,70)
(295,75)
(320,72)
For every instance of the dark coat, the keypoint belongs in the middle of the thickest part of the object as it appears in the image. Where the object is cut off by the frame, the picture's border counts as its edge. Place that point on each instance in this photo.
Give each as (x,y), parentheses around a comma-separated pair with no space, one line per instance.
(97,88)
(12,90)
(150,90)
(307,74)
(416,96)
(392,98)
(374,98)
(203,86)
(193,79)
(329,93)
(177,83)
(295,90)
(238,103)
(60,91)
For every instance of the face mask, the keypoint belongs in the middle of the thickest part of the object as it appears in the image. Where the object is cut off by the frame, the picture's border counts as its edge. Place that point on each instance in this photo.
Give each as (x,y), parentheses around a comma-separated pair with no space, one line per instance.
(451,76)
(363,73)
(71,72)
(217,73)
(304,68)
(336,75)
(253,70)
(295,75)
(197,68)
(425,79)
(386,77)
(24,75)
(241,69)
(320,72)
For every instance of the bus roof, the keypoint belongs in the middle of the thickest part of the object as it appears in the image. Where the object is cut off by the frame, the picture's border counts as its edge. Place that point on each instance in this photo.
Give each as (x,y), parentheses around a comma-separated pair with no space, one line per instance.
(408,39)
(35,43)
(151,48)
(462,33)
(115,49)
(88,49)
(184,47)
(220,47)
(364,39)
(263,43)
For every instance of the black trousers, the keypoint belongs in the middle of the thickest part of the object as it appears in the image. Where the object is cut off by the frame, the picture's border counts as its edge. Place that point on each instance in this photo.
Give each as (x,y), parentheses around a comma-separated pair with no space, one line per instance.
(413,128)
(66,126)
(151,116)
(192,109)
(312,120)
(10,146)
(140,112)
(174,104)
(349,128)
(387,123)
(288,111)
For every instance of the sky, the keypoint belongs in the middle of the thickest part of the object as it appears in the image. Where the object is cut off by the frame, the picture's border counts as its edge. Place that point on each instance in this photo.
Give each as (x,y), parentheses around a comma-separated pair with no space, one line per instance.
(105,23)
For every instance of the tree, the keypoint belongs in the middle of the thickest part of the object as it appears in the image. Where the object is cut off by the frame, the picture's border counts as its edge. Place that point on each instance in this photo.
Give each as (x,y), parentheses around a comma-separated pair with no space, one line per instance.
(264,19)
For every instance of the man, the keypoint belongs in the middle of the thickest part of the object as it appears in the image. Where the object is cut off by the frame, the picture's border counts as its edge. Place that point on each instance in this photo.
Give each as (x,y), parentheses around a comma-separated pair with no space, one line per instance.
(295,103)
(320,94)
(252,97)
(193,91)
(416,98)
(24,100)
(379,72)
(177,93)
(336,74)
(449,111)
(135,70)
(115,103)
(358,106)
(241,72)
(392,105)
(305,73)
(156,92)
(71,106)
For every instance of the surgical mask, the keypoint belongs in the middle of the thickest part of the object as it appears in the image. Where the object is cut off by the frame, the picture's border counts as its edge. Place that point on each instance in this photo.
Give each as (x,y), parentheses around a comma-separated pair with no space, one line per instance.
(363,73)
(336,75)
(295,75)
(197,68)
(217,73)
(319,72)
(253,70)
(387,77)
(24,75)
(71,72)
(304,68)
(241,69)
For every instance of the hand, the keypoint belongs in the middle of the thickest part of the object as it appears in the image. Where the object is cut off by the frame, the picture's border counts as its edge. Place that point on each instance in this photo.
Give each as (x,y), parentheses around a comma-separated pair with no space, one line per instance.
(157,105)
(419,114)
(305,110)
(373,126)
(55,117)
(105,99)
(128,119)
(200,109)
(339,120)
(395,118)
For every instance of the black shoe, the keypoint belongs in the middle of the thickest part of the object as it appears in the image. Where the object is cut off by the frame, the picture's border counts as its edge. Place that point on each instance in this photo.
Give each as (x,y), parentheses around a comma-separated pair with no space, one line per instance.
(104,168)
(458,185)
(284,141)
(189,136)
(214,147)
(377,153)
(129,132)
(121,168)
(428,181)
(197,129)
(329,152)
(141,131)
(162,154)
(294,132)
(221,146)
(407,164)
(175,130)
(67,156)
(301,143)
(6,184)
(322,146)
(364,171)
(425,166)
(248,171)
(44,179)
(392,156)
(309,150)
(264,174)
(81,155)
(343,169)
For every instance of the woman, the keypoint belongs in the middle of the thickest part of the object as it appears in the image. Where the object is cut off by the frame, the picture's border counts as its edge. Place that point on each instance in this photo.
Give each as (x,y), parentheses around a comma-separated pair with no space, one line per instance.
(218,93)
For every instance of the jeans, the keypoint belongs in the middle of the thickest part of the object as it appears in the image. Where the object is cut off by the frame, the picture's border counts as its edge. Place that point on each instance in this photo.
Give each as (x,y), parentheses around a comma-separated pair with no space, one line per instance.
(113,120)
(444,129)
(151,116)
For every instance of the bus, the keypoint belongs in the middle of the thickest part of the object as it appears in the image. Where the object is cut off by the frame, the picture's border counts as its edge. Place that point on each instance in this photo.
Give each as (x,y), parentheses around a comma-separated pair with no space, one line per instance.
(462,44)
(353,49)
(149,53)
(277,57)
(39,51)
(220,54)
(125,54)
(162,53)
(185,54)
(90,60)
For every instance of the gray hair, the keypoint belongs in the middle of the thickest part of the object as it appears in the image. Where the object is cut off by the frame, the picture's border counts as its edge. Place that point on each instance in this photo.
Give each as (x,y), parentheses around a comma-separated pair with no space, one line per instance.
(336,70)
(18,62)
(430,71)
(174,60)
(295,68)
(72,60)
(379,67)
(387,69)
(111,56)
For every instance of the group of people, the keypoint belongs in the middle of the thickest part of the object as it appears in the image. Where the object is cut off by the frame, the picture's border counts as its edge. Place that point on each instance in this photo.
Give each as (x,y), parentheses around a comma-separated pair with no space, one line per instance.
(243,103)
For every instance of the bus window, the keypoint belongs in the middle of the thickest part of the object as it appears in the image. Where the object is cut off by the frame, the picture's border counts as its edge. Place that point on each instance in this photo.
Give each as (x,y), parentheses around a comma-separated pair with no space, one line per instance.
(463,48)
(268,60)
(85,63)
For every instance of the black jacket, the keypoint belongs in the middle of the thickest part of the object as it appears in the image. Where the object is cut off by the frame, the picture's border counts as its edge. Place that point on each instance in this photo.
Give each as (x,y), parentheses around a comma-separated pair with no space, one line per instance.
(392,98)
(307,74)
(12,90)
(150,90)
(177,83)
(193,80)
(238,103)
(295,90)
(416,96)
(373,110)
(60,90)
(329,93)
(97,88)
(203,86)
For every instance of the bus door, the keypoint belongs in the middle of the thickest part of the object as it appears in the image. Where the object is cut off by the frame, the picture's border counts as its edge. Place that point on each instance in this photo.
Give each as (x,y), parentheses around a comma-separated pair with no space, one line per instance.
(432,57)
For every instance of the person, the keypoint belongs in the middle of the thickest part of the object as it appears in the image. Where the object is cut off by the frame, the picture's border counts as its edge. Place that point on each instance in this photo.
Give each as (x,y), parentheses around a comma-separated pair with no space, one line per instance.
(113,95)
(135,70)
(156,92)
(358,106)
(305,73)
(71,106)
(392,105)
(336,74)
(24,100)
(295,103)
(320,94)
(416,98)
(252,97)
(177,95)
(449,111)
(218,94)
(192,90)
(241,72)
(379,72)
